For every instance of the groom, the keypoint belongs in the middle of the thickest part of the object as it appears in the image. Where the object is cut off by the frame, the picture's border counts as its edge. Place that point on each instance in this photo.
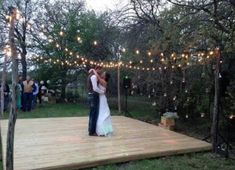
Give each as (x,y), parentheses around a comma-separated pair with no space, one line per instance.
(93,98)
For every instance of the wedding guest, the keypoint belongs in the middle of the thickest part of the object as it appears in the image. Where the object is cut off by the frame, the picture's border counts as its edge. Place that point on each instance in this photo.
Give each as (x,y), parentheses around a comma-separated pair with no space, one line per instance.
(35,94)
(28,86)
(19,94)
(6,91)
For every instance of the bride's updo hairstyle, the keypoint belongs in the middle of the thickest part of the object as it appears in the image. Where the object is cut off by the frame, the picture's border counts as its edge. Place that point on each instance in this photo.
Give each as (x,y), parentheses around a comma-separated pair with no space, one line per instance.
(107,77)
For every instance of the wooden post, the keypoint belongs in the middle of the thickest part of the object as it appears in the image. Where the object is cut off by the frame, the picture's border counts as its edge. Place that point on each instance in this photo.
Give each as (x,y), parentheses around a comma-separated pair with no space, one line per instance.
(13,112)
(215,122)
(118,86)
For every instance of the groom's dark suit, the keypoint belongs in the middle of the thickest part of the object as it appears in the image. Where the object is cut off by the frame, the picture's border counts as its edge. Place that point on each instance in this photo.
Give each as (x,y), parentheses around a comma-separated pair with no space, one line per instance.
(93,98)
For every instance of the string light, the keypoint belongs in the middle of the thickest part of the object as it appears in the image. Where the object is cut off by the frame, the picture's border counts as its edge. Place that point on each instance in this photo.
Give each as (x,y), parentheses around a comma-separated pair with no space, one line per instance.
(57,45)
(137,52)
(112,65)
(8,18)
(95,43)
(7,51)
(18,14)
(79,39)
(202,115)
(61,33)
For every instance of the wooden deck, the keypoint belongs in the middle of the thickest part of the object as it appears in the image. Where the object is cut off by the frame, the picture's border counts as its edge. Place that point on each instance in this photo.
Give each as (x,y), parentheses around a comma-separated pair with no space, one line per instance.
(63,143)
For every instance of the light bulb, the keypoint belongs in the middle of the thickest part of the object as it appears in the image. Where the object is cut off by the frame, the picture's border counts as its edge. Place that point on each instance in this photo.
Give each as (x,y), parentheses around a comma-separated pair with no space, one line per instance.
(95,43)
(137,51)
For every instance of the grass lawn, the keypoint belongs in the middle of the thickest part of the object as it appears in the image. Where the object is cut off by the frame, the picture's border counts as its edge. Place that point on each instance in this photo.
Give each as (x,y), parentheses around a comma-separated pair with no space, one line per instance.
(147,113)
(196,161)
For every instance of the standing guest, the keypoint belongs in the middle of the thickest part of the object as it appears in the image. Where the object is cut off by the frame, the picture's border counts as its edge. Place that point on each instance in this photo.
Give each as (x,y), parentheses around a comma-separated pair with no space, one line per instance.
(35,94)
(6,96)
(19,94)
(28,86)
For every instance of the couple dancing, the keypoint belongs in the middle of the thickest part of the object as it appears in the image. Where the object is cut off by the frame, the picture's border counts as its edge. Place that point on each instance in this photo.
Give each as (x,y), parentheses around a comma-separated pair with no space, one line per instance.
(99,117)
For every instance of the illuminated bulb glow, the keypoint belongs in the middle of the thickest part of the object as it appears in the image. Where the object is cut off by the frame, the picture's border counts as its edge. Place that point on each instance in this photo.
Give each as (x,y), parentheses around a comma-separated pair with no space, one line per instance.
(18,14)
(95,43)
(61,33)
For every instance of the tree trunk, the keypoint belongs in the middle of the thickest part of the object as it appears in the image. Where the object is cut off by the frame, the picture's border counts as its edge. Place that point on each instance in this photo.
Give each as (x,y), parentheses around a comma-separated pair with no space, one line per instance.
(24,63)
(215,121)
(63,90)
(23,45)
(13,113)
(3,84)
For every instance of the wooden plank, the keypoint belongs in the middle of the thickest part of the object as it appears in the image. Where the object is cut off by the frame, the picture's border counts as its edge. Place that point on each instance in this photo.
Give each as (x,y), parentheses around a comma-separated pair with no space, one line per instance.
(45,144)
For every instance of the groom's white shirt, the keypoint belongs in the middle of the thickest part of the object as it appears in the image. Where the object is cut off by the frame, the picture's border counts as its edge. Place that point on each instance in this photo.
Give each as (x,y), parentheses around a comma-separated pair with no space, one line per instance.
(94,85)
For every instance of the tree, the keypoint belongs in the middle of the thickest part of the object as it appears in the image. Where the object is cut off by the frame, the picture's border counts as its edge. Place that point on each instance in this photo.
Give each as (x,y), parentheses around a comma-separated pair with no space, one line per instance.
(13,113)
(219,15)
(22,29)
(64,36)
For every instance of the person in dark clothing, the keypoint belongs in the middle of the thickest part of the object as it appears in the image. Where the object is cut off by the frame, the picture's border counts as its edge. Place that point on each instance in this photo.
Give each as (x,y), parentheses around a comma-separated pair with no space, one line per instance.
(6,96)
(93,98)
(35,94)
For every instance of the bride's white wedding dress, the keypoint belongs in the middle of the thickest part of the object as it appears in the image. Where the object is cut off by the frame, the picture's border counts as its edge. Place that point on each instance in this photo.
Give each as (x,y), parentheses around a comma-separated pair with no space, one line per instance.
(104,123)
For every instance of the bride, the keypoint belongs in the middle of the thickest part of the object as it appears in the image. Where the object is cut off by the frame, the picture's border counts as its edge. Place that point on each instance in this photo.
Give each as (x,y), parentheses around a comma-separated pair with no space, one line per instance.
(104,123)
